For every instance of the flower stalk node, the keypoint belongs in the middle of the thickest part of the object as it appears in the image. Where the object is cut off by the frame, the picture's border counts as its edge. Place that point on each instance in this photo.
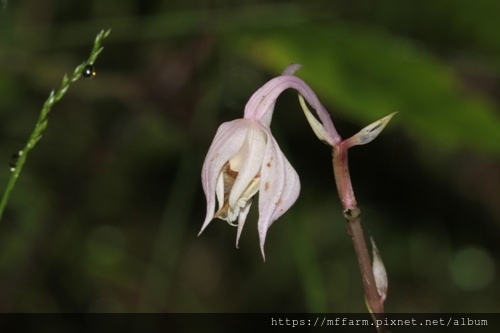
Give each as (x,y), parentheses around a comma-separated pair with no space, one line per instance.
(351,213)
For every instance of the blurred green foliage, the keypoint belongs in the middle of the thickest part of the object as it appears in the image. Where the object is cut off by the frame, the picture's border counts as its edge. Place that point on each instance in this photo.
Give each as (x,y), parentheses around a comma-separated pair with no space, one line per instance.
(367,73)
(106,213)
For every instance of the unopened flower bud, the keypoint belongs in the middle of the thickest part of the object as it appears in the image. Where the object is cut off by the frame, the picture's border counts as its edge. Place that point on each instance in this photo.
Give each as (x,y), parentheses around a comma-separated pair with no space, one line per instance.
(379,272)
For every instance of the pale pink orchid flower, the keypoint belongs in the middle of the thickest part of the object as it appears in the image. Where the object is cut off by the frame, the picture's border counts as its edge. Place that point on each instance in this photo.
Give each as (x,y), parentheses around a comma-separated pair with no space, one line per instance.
(244,158)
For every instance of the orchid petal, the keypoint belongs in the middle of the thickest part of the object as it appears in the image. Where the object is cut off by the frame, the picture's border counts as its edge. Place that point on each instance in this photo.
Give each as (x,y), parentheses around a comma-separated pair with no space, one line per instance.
(227,142)
(252,151)
(219,191)
(241,219)
(279,188)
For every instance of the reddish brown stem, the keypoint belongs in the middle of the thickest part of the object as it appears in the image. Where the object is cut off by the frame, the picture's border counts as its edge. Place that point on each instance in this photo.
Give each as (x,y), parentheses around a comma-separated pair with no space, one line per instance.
(351,213)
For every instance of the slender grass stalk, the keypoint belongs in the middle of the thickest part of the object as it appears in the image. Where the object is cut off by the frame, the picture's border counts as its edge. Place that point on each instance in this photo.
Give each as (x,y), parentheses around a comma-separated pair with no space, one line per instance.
(42,121)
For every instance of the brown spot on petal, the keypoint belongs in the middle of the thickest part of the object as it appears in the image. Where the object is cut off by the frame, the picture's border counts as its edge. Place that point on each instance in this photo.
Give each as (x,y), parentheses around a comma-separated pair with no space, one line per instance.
(279,202)
(267,186)
(268,164)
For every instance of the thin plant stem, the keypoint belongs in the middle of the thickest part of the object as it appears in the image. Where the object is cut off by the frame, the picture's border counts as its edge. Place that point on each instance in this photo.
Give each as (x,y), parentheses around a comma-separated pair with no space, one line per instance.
(42,121)
(374,296)
(352,216)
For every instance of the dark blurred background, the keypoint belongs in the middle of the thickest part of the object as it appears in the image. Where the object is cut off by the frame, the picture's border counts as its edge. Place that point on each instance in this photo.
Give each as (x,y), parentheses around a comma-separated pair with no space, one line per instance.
(106,212)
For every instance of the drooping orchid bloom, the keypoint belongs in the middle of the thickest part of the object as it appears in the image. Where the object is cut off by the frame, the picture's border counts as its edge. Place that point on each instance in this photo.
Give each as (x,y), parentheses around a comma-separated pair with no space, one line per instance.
(244,158)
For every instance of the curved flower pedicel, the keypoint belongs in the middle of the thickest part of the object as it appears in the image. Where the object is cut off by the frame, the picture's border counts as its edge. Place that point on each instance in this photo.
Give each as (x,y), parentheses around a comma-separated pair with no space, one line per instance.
(244,158)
